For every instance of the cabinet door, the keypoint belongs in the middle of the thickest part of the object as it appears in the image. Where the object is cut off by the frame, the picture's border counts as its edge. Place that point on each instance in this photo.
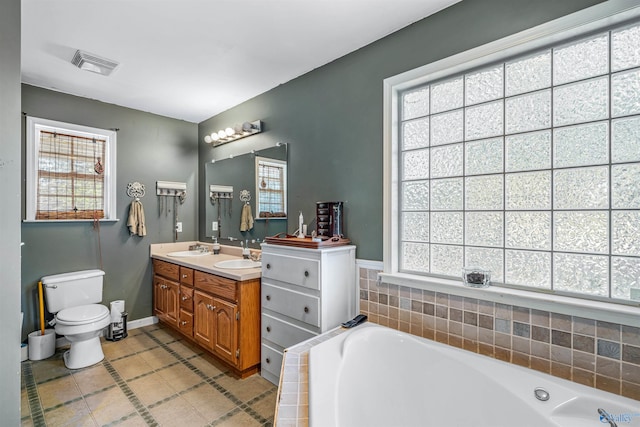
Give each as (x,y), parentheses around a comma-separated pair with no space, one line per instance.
(226,332)
(173,301)
(203,322)
(159,299)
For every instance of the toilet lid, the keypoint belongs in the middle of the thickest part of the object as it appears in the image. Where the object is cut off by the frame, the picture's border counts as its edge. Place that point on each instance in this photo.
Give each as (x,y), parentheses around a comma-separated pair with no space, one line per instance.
(83,313)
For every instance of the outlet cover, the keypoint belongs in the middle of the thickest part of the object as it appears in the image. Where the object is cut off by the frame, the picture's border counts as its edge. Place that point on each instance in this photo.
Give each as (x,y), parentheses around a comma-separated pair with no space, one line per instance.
(179,227)
(214,226)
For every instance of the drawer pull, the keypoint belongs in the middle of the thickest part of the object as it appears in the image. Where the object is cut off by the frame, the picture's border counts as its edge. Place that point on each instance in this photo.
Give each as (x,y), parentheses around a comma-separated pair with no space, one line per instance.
(268,266)
(268,297)
(184,276)
(306,309)
(268,360)
(211,307)
(306,274)
(184,322)
(268,328)
(184,298)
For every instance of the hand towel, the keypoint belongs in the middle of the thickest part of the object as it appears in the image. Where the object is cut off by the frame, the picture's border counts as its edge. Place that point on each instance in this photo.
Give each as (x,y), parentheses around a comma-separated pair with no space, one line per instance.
(246,218)
(136,219)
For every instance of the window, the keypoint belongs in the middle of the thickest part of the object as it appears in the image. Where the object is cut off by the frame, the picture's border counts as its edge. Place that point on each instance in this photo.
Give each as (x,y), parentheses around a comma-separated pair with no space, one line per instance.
(526,164)
(271,182)
(70,172)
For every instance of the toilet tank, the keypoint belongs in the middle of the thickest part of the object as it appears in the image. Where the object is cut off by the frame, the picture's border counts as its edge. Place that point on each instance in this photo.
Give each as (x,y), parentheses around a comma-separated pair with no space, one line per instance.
(72,289)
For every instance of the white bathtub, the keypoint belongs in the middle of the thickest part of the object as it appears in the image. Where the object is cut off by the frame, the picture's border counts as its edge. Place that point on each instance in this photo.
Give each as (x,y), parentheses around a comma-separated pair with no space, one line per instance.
(376,376)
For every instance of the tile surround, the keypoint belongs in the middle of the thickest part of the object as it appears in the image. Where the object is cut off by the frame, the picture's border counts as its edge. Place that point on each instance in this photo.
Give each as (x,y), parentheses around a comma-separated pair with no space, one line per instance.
(598,354)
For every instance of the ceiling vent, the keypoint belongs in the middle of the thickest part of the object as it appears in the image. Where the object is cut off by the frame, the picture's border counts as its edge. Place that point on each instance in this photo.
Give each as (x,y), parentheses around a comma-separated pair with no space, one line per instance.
(90,62)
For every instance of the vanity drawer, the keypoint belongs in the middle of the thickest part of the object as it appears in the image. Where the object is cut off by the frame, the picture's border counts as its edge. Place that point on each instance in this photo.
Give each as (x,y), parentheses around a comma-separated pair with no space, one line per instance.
(283,333)
(296,305)
(186,276)
(185,322)
(166,269)
(186,298)
(271,360)
(220,286)
(298,271)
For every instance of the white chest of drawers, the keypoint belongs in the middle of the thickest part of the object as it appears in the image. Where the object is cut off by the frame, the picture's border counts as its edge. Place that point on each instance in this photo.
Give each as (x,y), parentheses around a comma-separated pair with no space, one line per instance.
(305,292)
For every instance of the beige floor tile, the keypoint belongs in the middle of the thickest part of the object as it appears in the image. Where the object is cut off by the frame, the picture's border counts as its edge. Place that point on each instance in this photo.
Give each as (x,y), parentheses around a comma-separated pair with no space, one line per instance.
(209,402)
(109,406)
(116,349)
(58,391)
(27,422)
(158,358)
(140,342)
(210,369)
(151,389)
(177,412)
(75,414)
(135,421)
(240,419)
(132,366)
(164,335)
(247,388)
(182,349)
(266,406)
(93,378)
(50,368)
(179,377)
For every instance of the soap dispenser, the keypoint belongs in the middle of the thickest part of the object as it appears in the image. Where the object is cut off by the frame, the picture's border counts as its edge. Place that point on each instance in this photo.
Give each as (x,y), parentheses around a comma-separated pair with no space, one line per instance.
(215,246)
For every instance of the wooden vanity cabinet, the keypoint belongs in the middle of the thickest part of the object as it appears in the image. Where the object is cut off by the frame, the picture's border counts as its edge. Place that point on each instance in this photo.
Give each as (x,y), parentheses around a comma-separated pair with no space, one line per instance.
(221,315)
(166,291)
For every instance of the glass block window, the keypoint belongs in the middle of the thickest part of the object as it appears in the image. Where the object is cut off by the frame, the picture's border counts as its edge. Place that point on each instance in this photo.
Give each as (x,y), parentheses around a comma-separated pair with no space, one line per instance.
(530,168)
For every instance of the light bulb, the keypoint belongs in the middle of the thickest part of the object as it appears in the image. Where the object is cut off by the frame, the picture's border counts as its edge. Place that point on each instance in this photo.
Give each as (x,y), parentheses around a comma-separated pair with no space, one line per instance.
(214,136)
(207,139)
(222,134)
(229,131)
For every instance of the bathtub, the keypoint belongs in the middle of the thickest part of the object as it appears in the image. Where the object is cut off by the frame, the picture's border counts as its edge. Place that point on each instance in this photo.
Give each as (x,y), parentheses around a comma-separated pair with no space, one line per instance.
(376,376)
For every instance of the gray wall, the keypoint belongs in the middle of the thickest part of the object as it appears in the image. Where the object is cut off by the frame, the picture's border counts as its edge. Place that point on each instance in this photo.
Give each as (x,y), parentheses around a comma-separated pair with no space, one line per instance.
(149,148)
(332,116)
(10,211)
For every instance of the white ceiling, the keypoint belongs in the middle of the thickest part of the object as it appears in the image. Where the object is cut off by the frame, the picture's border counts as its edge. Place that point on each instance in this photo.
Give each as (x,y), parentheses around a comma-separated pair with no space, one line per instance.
(192,59)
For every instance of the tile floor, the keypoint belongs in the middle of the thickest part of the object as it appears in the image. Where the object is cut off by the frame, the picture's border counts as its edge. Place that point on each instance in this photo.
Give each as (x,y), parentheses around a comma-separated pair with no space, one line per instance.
(151,378)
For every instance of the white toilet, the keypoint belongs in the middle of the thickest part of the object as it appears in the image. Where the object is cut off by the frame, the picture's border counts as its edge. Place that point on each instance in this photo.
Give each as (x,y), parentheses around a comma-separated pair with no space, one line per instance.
(74,298)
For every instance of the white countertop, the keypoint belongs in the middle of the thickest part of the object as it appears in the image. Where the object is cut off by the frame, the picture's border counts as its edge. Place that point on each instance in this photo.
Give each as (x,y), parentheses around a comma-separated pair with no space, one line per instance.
(206,262)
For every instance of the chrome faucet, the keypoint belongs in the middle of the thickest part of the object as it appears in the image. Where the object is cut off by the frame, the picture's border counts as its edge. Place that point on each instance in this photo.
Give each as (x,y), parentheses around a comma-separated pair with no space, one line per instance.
(604,415)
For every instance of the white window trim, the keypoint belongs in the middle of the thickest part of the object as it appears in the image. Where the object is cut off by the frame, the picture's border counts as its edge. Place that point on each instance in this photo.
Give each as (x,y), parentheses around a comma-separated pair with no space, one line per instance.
(591,19)
(34,127)
(277,163)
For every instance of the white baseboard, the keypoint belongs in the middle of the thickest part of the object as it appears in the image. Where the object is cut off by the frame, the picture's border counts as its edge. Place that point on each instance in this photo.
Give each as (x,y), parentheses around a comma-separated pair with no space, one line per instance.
(134,324)
(368,264)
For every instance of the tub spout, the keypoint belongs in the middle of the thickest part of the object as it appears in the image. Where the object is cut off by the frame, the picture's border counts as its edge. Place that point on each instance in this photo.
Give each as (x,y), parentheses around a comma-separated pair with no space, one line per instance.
(604,415)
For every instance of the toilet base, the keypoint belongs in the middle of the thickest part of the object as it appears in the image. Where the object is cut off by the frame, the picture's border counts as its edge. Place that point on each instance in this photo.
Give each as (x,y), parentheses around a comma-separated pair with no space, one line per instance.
(83,353)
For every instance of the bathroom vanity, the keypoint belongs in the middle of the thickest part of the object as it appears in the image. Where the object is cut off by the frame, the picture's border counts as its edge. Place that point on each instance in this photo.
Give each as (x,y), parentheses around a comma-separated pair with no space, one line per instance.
(305,292)
(218,309)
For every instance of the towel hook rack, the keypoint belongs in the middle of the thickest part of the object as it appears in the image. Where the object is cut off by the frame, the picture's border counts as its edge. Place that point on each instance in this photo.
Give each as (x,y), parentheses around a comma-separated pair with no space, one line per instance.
(135,190)
(245,196)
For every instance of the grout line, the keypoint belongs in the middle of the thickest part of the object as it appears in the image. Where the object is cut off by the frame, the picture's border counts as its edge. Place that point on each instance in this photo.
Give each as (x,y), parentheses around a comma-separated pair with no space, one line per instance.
(35,406)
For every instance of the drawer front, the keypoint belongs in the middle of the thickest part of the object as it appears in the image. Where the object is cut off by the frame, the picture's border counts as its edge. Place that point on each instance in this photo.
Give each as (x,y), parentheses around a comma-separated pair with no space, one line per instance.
(166,269)
(283,333)
(270,360)
(296,305)
(216,285)
(186,298)
(186,276)
(298,271)
(185,322)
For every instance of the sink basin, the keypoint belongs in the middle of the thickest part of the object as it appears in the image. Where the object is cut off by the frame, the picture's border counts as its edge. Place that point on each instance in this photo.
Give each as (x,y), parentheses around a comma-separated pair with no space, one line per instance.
(238,264)
(187,253)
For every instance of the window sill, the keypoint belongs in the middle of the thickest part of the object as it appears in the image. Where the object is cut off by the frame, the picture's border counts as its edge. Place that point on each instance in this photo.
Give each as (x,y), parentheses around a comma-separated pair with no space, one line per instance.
(45,221)
(597,310)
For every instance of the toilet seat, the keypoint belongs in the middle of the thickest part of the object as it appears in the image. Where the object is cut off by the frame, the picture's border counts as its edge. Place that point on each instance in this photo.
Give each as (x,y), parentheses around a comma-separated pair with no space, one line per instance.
(82,314)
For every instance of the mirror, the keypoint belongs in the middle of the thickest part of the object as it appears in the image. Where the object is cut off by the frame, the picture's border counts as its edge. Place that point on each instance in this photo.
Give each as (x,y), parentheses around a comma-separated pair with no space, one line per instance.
(263,175)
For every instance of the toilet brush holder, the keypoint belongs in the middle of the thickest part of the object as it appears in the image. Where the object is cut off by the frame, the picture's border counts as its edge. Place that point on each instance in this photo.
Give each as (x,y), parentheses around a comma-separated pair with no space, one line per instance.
(42,346)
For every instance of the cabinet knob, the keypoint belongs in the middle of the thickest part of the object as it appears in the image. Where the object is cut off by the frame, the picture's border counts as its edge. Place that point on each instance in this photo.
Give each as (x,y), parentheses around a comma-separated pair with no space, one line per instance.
(184,322)
(268,328)
(268,360)
(268,297)
(184,298)
(184,276)
(306,274)
(268,266)
(306,309)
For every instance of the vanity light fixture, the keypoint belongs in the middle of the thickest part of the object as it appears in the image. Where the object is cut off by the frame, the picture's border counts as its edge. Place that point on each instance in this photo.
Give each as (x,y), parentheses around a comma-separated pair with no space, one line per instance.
(231,134)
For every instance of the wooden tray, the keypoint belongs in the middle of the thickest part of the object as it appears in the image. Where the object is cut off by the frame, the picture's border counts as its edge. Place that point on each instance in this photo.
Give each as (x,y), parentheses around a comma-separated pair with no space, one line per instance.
(307,242)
